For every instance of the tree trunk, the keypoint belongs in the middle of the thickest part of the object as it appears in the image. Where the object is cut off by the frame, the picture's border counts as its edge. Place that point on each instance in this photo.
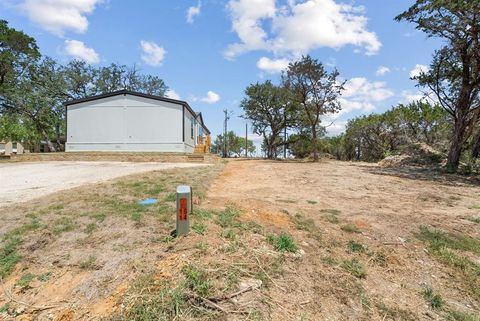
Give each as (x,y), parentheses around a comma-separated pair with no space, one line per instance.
(456,146)
(314,143)
(476,145)
(50,145)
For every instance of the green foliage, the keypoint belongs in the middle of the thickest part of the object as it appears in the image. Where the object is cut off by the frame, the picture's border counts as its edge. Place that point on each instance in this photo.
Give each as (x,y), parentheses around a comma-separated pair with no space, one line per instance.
(25,280)
(34,88)
(315,91)
(282,242)
(90,228)
(372,137)
(453,75)
(434,300)
(4,308)
(9,256)
(235,145)
(446,247)
(355,267)
(228,217)
(269,109)
(45,276)
(64,224)
(197,280)
(199,227)
(353,246)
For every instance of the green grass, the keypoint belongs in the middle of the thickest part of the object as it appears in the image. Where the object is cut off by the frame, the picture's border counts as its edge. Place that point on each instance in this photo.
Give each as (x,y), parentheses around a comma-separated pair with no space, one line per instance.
(474,219)
(9,256)
(170,197)
(304,224)
(89,263)
(25,280)
(353,246)
(355,267)
(202,247)
(461,316)
(4,308)
(350,228)
(282,242)
(90,228)
(62,225)
(311,202)
(45,276)
(434,300)
(196,279)
(446,248)
(202,214)
(329,261)
(474,207)
(229,234)
(199,228)
(439,239)
(228,218)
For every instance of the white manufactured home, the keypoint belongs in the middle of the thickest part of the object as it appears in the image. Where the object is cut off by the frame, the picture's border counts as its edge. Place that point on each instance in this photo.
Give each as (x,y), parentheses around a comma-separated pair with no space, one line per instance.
(134,122)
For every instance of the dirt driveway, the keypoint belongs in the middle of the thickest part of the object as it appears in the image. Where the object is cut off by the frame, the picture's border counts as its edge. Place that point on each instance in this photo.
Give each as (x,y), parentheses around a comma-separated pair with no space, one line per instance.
(21,182)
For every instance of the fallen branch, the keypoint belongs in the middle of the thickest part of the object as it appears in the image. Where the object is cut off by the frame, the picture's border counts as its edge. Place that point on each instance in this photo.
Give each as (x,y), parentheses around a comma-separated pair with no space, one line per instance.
(206,301)
(231,295)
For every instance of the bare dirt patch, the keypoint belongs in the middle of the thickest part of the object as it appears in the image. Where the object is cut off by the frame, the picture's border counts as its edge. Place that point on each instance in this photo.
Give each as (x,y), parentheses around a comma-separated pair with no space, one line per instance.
(269,241)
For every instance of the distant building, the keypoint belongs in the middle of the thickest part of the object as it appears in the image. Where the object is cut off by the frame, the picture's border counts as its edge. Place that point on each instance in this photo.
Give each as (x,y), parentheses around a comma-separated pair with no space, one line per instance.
(9,147)
(134,122)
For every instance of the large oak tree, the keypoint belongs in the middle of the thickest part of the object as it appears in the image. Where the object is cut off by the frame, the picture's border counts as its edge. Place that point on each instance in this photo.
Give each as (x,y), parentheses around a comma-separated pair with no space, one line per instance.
(454,75)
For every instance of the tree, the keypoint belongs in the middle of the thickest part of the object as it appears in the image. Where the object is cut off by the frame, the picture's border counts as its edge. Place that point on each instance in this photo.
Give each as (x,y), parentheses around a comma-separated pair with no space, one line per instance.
(267,107)
(315,91)
(17,52)
(454,75)
(235,145)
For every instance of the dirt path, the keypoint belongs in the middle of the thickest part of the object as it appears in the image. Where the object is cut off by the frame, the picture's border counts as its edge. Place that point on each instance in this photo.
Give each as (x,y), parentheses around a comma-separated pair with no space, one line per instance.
(20,182)
(330,205)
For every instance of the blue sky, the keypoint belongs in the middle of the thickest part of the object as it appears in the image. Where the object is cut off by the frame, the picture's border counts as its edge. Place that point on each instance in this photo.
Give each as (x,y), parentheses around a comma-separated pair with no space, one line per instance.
(208,51)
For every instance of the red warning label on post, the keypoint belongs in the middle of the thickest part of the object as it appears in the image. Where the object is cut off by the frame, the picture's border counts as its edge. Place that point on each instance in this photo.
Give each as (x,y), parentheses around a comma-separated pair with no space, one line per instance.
(182,210)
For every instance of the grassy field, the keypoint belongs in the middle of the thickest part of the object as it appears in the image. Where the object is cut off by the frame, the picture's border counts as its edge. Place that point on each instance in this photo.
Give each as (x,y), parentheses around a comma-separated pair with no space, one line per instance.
(268,241)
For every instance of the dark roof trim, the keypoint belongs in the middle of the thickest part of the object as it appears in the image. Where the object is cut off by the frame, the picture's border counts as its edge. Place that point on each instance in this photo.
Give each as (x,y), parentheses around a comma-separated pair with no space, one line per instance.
(199,115)
(133,93)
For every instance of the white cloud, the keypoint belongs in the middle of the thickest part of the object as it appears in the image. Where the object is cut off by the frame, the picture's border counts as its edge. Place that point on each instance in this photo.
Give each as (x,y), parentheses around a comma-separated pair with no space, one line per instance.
(193,11)
(153,54)
(211,98)
(172,94)
(361,94)
(382,71)
(297,28)
(58,16)
(418,70)
(78,50)
(272,65)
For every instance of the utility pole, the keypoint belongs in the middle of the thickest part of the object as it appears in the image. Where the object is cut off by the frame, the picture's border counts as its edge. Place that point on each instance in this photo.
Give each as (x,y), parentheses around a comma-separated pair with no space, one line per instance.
(285,137)
(227,117)
(246,140)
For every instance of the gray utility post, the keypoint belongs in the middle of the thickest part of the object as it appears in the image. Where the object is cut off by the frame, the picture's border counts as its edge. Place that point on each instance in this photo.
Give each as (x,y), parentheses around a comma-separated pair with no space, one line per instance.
(184,209)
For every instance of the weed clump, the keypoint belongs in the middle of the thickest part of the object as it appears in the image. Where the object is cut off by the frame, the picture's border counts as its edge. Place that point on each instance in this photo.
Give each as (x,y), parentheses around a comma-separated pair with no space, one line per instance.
(355,267)
(350,228)
(282,243)
(434,300)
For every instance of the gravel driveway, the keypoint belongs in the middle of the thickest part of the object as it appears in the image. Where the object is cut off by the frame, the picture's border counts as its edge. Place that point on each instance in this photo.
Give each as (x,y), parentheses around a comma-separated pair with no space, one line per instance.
(21,182)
